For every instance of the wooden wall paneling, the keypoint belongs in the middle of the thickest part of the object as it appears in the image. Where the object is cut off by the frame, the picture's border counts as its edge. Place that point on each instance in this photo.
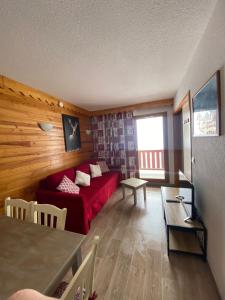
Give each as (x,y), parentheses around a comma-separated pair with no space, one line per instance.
(179,138)
(187,139)
(143,105)
(28,154)
(182,102)
(30,94)
(1,81)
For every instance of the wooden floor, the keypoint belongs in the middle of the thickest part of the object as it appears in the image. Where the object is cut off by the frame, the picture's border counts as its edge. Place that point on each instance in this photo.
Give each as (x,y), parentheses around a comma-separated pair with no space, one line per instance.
(132,262)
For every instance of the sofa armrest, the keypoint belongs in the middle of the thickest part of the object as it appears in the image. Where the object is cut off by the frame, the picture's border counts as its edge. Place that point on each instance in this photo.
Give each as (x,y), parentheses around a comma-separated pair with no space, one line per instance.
(114,168)
(118,170)
(77,219)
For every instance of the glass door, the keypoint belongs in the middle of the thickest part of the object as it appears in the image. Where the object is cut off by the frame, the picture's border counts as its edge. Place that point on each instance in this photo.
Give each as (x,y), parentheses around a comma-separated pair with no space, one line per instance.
(152,147)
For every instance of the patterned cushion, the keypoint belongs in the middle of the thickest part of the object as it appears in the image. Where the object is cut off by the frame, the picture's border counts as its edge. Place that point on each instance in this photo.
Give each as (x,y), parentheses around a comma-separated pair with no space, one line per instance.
(82,178)
(95,171)
(54,180)
(68,186)
(103,166)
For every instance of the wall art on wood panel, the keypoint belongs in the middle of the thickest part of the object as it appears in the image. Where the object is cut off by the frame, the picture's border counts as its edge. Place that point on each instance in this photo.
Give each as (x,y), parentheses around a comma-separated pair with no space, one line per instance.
(206,108)
(71,129)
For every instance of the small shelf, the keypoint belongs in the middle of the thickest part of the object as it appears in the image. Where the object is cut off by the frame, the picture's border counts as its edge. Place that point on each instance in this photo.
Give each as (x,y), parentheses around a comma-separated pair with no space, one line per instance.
(175,215)
(184,242)
(186,237)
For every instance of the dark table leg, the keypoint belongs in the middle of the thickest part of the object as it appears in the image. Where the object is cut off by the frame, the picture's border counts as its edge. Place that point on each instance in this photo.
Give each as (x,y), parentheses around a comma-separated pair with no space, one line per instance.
(168,239)
(144,187)
(135,196)
(124,192)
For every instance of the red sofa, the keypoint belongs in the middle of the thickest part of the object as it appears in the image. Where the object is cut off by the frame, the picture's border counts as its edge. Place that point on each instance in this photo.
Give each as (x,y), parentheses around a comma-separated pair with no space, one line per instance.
(82,208)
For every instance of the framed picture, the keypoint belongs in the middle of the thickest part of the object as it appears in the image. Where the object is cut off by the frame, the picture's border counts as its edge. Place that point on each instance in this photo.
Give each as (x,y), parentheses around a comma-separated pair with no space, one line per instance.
(206,108)
(71,129)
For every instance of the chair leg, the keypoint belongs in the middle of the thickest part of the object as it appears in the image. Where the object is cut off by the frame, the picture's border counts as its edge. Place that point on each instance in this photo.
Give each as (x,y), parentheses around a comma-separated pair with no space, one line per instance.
(77,261)
(135,196)
(144,192)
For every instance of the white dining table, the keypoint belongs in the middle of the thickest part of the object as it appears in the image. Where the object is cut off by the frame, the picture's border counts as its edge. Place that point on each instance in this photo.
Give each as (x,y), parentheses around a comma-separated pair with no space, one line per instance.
(34,256)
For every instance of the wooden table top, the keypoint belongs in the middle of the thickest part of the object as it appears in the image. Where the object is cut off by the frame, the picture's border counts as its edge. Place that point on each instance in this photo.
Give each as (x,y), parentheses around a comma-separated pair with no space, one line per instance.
(34,256)
(175,212)
(172,192)
(134,182)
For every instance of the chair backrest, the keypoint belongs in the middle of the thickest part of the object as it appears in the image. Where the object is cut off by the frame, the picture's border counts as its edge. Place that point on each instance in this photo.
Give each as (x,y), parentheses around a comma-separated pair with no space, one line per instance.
(18,209)
(81,285)
(49,215)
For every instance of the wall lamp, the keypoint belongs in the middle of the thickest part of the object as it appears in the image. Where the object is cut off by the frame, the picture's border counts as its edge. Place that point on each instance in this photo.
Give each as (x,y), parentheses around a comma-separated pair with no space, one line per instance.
(45,126)
(88,132)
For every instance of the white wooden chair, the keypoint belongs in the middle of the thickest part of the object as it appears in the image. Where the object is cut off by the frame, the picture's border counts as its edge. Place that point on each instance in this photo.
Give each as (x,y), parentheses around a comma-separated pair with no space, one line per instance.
(81,285)
(18,209)
(49,215)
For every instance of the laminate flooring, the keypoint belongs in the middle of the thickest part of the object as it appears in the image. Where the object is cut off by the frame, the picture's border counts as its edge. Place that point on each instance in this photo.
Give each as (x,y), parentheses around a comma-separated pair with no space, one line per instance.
(132,261)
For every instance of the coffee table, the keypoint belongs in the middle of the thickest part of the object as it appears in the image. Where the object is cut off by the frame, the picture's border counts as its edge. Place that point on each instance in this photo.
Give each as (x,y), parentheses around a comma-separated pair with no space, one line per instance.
(134,184)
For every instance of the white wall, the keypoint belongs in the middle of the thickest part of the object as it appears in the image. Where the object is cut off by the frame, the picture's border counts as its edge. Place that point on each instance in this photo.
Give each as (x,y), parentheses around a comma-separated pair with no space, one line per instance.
(209,152)
(169,111)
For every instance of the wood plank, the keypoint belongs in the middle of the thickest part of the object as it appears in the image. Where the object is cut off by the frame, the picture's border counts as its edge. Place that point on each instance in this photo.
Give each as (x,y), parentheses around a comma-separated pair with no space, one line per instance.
(34,94)
(148,104)
(1,82)
(175,212)
(182,102)
(106,267)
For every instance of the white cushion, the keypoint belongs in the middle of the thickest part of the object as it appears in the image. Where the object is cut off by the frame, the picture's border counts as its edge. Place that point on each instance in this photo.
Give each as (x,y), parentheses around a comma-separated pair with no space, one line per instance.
(82,178)
(103,166)
(95,171)
(68,186)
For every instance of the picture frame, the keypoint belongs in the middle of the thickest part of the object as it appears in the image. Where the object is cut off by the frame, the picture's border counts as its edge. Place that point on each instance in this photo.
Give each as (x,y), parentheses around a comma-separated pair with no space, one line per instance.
(71,128)
(206,108)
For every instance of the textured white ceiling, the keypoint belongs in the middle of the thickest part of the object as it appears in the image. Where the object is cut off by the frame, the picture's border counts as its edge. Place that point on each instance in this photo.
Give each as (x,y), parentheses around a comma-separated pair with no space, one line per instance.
(101,53)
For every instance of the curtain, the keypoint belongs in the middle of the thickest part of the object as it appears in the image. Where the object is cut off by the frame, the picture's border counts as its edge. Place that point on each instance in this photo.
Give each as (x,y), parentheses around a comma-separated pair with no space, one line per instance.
(114,137)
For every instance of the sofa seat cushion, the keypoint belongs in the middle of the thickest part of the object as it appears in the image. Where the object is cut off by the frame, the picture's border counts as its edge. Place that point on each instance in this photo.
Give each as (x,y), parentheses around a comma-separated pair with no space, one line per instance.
(98,184)
(101,188)
(106,177)
(52,181)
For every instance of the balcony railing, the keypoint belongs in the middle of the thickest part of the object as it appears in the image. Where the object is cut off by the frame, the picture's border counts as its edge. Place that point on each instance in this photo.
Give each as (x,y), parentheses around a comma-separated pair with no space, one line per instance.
(151,159)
